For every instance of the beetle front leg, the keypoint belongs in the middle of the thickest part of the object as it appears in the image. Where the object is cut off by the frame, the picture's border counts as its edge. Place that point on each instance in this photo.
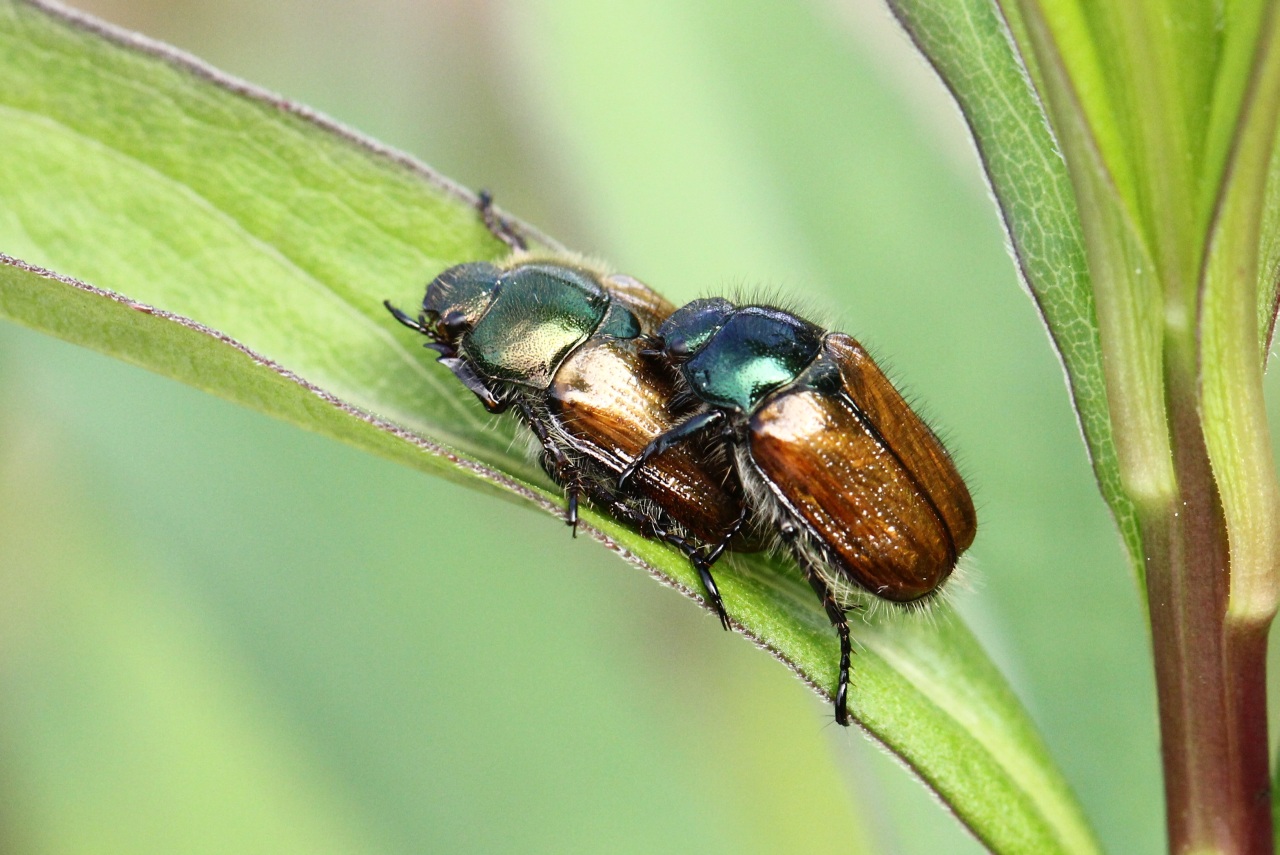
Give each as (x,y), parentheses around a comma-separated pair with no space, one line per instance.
(498,226)
(469,377)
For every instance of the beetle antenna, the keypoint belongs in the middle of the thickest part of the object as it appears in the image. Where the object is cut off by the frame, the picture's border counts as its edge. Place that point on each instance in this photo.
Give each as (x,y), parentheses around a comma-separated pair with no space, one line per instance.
(420,325)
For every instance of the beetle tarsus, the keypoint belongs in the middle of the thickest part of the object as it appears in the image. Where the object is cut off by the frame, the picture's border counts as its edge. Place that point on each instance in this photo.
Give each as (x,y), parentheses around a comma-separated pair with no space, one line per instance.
(836,614)
(704,571)
(566,472)
(463,370)
(498,226)
(571,519)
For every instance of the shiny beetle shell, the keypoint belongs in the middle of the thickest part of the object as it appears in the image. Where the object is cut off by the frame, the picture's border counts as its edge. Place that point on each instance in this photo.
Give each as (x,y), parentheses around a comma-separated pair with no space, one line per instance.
(832,458)
(558,341)
(611,404)
(880,499)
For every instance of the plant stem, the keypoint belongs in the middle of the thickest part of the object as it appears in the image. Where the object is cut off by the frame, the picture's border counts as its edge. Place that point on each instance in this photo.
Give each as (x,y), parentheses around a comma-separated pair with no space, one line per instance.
(1247,694)
(1210,676)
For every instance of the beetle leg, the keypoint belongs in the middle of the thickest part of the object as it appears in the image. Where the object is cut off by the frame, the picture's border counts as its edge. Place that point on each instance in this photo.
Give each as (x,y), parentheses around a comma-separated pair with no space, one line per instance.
(473,381)
(497,226)
(700,563)
(839,620)
(682,432)
(652,530)
(703,566)
(729,535)
(703,563)
(566,473)
(649,345)
(571,517)
(449,359)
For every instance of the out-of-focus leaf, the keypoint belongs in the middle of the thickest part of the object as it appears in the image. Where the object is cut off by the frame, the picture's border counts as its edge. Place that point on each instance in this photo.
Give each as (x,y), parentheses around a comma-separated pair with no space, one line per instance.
(124,728)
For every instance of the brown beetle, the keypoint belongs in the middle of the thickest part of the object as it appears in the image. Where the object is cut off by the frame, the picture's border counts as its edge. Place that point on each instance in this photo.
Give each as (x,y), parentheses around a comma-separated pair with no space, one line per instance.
(831,456)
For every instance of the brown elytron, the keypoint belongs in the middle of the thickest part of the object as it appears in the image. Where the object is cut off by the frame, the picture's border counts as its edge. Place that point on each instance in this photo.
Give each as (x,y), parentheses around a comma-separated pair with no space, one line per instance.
(868,477)
(649,307)
(612,404)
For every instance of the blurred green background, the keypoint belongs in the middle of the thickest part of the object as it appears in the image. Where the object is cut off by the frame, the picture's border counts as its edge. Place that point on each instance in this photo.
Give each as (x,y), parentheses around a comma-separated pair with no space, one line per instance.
(219,634)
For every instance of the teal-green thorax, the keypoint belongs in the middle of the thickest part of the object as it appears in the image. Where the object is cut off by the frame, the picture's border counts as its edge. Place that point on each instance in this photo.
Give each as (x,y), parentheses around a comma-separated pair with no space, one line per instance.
(736,356)
(519,324)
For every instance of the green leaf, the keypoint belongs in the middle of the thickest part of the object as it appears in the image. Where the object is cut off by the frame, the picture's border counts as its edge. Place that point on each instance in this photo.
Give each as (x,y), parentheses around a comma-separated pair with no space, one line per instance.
(1124,269)
(1233,411)
(1268,266)
(1269,261)
(969,45)
(1159,116)
(227,205)
(256,241)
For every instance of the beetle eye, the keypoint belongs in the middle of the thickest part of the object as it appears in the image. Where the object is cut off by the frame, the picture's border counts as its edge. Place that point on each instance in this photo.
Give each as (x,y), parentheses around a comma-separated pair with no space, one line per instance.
(677,346)
(454,324)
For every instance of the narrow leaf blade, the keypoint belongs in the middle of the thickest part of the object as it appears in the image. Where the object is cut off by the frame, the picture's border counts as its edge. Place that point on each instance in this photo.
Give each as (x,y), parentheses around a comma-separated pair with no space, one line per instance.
(972,50)
(280,234)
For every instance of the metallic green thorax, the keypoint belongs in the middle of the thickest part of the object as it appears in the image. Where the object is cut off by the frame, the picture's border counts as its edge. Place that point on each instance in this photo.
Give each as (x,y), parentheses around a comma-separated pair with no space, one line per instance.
(755,351)
(537,315)
(692,325)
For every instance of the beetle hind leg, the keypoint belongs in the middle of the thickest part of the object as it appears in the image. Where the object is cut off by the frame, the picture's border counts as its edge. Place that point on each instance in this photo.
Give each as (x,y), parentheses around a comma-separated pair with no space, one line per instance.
(653,530)
(703,566)
(702,563)
(840,621)
(571,516)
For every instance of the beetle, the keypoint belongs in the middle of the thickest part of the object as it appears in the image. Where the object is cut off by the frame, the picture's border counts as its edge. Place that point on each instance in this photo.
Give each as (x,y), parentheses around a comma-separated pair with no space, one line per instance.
(830,455)
(557,341)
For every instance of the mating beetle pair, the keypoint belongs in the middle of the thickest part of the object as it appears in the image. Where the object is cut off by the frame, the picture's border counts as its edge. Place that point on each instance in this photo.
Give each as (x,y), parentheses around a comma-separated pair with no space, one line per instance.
(629,401)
